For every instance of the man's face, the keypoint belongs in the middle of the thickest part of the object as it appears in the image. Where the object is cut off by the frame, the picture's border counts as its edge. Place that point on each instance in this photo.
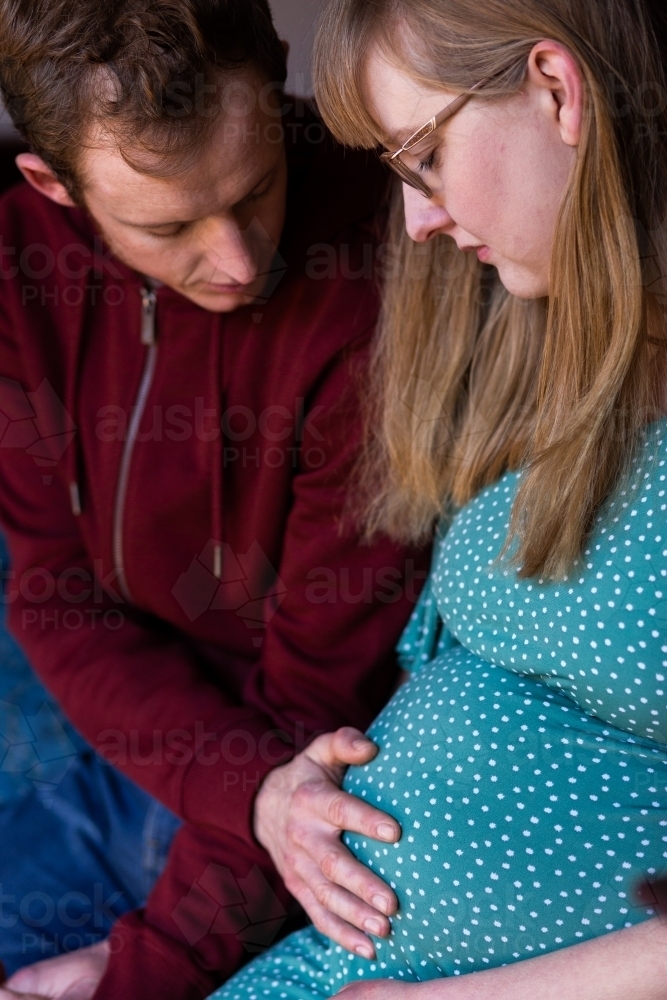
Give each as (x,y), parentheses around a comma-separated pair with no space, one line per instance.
(209,232)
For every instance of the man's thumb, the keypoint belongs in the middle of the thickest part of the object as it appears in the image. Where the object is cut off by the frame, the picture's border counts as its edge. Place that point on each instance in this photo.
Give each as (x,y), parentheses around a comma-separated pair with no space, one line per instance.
(346,746)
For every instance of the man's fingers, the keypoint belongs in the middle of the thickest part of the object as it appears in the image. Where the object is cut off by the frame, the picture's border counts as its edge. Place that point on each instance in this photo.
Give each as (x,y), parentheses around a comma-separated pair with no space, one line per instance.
(346,812)
(342,869)
(352,744)
(345,746)
(332,858)
(344,904)
(338,930)
(350,909)
(340,811)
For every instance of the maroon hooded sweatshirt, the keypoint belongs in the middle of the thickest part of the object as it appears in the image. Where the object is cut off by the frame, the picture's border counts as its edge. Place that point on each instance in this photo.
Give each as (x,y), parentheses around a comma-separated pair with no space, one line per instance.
(171,485)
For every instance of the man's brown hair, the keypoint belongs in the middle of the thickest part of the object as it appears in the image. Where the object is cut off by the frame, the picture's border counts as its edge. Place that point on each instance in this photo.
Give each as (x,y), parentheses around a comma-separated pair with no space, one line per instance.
(149,72)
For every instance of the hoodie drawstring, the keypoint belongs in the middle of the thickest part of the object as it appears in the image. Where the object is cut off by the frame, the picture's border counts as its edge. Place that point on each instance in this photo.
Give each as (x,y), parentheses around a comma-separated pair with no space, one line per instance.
(217,447)
(74,456)
(74,462)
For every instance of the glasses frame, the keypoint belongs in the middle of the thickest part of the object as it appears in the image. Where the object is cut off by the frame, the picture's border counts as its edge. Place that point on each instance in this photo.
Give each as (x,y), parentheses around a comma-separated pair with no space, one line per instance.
(393,160)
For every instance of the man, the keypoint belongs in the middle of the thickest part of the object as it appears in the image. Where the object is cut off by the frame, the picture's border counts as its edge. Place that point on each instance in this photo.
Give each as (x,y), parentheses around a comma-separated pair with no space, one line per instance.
(185,307)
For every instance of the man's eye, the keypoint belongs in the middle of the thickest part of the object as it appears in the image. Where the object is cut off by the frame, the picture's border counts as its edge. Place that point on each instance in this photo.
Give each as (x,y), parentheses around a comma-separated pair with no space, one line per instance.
(255,196)
(169,232)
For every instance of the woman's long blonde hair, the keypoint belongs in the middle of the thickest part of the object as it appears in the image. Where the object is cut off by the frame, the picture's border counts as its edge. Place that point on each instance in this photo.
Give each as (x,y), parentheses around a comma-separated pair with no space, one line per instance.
(469,381)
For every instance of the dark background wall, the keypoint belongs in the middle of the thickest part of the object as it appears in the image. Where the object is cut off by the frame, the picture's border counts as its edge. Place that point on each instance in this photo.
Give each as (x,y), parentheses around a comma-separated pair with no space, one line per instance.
(295,20)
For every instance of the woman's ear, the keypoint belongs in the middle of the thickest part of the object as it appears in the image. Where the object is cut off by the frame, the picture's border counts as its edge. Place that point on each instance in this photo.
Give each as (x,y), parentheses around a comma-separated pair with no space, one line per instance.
(42,178)
(553,69)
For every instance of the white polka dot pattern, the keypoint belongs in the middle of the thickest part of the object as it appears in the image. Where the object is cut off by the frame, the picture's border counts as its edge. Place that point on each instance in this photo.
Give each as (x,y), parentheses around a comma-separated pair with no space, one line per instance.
(525,759)
(600,635)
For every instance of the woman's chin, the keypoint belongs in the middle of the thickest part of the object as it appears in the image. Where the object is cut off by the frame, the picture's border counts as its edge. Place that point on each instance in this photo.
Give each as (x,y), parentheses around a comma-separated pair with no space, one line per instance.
(521,283)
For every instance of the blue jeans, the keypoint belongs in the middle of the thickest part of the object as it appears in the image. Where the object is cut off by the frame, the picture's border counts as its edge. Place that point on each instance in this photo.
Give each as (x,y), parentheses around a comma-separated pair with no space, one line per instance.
(80,844)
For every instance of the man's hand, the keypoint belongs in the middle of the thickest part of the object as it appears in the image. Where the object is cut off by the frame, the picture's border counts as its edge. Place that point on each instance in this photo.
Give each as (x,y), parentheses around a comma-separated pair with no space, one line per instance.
(74,976)
(300,813)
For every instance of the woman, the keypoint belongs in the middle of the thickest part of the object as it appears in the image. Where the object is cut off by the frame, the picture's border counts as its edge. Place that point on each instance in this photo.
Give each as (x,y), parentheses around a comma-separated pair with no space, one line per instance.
(521,387)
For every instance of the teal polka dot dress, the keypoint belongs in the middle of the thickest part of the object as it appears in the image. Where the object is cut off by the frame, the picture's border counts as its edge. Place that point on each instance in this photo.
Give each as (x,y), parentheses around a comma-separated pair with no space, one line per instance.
(525,759)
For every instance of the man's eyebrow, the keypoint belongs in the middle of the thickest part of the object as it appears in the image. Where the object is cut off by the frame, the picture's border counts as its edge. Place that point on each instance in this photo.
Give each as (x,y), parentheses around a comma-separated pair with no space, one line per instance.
(185,222)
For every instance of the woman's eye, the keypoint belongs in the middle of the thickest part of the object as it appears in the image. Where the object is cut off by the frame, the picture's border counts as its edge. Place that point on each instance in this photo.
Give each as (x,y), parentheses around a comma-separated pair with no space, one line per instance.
(427,164)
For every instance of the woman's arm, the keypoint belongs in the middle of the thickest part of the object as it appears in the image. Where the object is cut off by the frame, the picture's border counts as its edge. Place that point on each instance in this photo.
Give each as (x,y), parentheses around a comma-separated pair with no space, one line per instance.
(627,965)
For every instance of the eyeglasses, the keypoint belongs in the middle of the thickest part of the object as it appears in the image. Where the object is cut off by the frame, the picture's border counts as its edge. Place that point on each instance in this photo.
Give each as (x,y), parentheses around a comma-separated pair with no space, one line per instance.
(394,160)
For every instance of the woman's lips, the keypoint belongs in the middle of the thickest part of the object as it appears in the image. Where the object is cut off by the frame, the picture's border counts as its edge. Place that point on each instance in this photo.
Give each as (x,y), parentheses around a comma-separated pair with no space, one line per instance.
(483,252)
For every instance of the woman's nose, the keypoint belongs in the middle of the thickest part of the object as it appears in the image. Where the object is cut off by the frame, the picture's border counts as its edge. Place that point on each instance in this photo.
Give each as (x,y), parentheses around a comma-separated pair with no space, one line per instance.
(424,217)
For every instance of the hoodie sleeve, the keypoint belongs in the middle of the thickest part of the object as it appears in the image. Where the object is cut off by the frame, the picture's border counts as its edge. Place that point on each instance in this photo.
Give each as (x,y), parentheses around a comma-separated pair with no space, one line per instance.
(138,690)
(136,687)
(122,677)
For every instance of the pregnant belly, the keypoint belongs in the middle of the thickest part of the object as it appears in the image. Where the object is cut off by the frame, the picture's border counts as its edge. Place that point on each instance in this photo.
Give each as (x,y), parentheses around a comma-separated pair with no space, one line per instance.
(526,823)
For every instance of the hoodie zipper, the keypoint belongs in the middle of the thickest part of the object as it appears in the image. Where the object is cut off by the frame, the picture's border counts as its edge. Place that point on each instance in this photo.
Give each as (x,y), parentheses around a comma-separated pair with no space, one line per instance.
(149,340)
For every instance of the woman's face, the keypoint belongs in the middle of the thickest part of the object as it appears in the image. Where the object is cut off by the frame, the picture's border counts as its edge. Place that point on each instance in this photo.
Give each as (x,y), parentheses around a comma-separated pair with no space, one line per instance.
(497,169)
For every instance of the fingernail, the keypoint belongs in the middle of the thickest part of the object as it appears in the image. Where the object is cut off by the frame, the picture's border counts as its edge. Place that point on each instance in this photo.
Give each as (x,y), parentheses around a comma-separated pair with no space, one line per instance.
(366,951)
(381,903)
(386,831)
(360,744)
(374,927)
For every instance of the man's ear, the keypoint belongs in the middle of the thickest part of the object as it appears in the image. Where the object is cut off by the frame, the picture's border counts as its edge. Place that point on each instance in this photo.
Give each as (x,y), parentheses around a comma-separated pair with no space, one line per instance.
(42,178)
(285,45)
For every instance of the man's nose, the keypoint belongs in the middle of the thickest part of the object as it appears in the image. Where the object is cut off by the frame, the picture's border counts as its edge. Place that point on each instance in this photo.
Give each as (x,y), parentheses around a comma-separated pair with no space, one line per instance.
(424,218)
(227,250)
